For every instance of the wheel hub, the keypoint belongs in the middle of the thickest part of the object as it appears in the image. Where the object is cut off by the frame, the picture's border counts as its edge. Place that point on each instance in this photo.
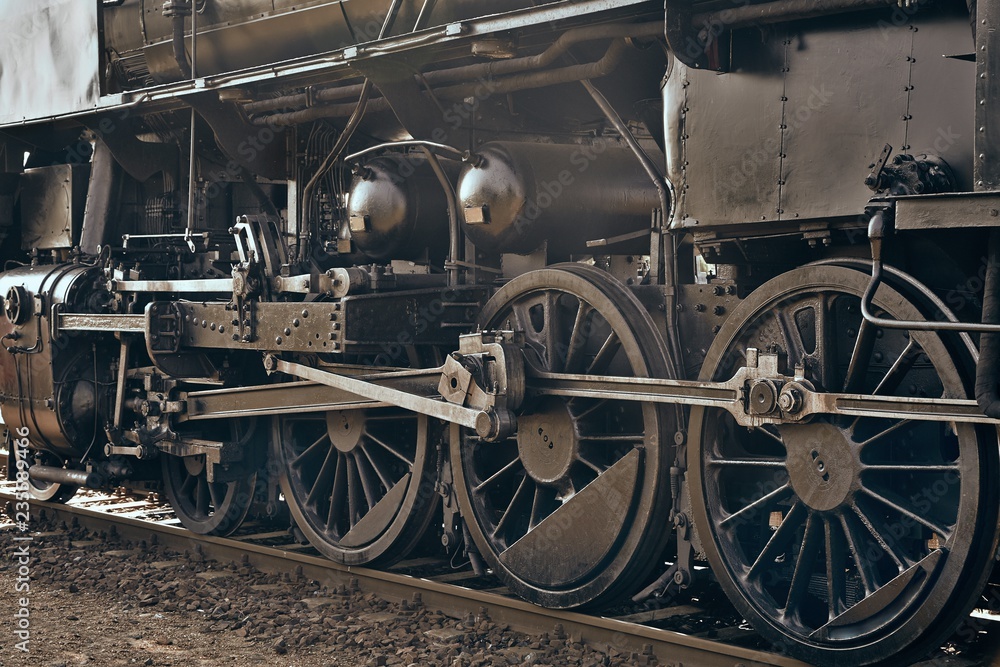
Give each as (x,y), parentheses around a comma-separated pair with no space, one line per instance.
(822,464)
(548,443)
(195,465)
(345,429)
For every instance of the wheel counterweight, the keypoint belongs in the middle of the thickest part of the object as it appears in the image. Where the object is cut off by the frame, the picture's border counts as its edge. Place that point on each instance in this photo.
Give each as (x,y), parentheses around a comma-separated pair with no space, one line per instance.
(846,540)
(572,510)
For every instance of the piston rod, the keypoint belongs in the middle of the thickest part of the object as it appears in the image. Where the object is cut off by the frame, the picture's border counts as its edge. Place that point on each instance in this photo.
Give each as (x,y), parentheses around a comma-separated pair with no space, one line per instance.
(55,475)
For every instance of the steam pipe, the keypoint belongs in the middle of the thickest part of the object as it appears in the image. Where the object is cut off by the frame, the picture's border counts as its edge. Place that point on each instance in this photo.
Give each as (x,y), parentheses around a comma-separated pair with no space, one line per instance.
(525,81)
(473,72)
(786,10)
(177,11)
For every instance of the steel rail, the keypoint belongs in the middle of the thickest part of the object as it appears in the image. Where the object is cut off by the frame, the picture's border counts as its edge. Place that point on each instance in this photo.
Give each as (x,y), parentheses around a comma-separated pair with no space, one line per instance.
(669,647)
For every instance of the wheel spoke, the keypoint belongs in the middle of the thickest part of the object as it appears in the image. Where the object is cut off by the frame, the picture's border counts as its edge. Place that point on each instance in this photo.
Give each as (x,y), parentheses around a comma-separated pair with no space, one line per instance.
(779,541)
(213,494)
(387,482)
(860,562)
(585,460)
(536,508)
(604,356)
(577,337)
(519,496)
(923,521)
(879,538)
(761,503)
(353,509)
(365,478)
(900,367)
(804,564)
(860,358)
(338,492)
(314,448)
(836,582)
(498,475)
(598,403)
(554,345)
(912,467)
(902,424)
(774,436)
(189,485)
(201,500)
(322,478)
(381,443)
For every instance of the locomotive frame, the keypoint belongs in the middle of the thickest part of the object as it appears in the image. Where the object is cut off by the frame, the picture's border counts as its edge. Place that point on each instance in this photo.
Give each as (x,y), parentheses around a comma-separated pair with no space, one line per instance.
(410,270)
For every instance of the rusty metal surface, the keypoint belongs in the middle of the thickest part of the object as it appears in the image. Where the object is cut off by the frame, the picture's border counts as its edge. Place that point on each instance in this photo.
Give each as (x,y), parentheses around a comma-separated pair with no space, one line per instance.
(50,58)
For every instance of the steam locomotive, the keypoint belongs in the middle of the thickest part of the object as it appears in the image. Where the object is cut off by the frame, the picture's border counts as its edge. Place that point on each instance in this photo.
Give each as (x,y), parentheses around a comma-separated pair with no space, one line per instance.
(588,291)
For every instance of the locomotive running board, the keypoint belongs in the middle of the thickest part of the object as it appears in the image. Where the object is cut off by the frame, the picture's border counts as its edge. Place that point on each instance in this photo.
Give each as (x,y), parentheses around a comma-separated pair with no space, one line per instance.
(757,394)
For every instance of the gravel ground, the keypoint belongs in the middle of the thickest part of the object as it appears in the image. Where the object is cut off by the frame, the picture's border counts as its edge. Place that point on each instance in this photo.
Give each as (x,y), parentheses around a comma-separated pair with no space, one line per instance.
(99,600)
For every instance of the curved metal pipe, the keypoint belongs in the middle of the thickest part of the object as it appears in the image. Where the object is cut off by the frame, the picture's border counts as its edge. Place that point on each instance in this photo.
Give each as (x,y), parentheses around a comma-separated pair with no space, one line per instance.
(473,72)
(525,81)
(180,55)
(915,325)
(426,145)
(454,229)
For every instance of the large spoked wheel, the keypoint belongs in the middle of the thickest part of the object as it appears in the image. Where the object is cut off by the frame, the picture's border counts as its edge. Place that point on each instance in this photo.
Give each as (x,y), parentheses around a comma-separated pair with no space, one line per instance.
(573,510)
(846,541)
(52,492)
(359,483)
(203,507)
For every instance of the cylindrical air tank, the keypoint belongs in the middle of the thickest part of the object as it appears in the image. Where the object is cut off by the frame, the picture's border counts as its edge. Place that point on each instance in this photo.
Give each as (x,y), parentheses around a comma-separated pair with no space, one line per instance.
(514,196)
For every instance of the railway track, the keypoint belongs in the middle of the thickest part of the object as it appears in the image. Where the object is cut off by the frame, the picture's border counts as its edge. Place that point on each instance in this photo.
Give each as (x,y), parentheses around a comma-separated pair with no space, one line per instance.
(453,592)
(445,589)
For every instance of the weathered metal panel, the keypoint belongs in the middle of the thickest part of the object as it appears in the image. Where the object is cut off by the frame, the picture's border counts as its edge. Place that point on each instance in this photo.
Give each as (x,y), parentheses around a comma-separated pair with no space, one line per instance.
(762,144)
(731,136)
(52,206)
(48,58)
(944,92)
(846,88)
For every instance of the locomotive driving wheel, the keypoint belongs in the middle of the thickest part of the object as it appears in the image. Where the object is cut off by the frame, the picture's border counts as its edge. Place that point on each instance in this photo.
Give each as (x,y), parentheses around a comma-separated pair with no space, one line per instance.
(848,541)
(572,510)
(203,507)
(359,483)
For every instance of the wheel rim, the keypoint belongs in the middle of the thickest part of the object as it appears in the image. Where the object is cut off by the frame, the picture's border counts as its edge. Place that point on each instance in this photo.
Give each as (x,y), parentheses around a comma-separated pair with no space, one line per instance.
(359,483)
(203,507)
(572,511)
(848,539)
